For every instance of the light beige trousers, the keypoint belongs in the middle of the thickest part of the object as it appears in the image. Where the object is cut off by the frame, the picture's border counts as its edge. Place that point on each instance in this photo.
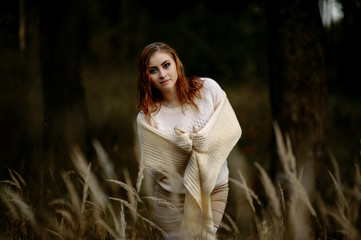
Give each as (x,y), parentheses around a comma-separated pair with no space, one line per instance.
(170,219)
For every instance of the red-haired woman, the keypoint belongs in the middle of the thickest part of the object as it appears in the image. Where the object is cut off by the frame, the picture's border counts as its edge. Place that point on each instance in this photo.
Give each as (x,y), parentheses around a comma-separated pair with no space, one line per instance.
(186,129)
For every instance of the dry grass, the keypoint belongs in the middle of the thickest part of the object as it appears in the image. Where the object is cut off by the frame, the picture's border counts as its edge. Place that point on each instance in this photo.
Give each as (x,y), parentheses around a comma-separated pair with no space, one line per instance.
(88,213)
(293,215)
(91,212)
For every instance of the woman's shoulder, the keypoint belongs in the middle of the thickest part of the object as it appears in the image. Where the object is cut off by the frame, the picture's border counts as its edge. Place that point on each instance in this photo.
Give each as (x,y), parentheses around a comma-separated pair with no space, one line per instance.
(212,89)
(141,116)
(210,83)
(210,86)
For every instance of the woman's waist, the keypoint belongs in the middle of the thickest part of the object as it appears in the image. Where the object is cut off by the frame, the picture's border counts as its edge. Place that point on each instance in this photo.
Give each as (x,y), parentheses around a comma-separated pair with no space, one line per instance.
(172,185)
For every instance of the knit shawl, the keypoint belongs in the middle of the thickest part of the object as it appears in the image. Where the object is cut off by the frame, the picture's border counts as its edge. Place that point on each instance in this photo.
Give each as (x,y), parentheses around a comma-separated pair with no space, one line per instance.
(197,156)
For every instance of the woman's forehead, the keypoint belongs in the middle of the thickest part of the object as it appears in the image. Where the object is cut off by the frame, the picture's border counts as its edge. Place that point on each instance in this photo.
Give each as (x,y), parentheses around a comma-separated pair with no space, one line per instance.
(159,57)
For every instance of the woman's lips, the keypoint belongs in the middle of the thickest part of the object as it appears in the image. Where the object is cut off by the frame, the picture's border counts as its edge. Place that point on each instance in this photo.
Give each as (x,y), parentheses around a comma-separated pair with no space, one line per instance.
(164,81)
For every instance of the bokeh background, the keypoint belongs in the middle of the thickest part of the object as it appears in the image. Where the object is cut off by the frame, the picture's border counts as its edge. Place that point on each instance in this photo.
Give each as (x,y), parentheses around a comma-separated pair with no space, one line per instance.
(68,75)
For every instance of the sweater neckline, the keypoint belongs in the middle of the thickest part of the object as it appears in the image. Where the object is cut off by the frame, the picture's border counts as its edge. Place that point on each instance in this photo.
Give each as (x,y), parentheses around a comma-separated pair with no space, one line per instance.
(170,109)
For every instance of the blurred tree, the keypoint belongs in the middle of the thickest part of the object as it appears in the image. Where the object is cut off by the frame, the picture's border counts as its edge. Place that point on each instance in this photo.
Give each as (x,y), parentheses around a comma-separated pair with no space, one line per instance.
(62,39)
(350,49)
(297,80)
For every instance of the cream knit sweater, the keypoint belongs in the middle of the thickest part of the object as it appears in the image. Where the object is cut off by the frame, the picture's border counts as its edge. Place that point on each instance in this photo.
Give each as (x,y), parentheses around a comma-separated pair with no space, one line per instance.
(198,156)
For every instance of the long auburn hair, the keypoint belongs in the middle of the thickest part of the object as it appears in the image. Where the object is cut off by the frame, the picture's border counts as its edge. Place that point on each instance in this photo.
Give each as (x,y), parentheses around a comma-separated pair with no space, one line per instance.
(149,97)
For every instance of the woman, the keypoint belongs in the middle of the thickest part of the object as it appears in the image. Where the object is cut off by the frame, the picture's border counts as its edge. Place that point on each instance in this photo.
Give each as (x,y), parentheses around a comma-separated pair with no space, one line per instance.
(186,129)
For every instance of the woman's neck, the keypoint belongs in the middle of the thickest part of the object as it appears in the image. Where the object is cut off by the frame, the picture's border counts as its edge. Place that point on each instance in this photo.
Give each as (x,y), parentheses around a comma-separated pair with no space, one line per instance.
(171,99)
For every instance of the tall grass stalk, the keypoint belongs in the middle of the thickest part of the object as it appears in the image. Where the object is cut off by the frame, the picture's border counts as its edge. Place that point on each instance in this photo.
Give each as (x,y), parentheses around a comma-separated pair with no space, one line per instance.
(97,208)
(88,212)
(291,214)
(15,198)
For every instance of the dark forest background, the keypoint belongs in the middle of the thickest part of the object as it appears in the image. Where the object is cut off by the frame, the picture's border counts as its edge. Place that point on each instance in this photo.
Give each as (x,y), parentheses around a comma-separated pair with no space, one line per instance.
(68,72)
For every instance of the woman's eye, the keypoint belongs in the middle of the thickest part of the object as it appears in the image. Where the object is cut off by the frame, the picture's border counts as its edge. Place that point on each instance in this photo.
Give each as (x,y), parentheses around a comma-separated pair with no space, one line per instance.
(166,65)
(153,70)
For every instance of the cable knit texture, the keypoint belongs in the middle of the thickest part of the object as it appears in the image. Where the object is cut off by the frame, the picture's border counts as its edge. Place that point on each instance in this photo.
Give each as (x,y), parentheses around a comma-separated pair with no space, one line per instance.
(198,156)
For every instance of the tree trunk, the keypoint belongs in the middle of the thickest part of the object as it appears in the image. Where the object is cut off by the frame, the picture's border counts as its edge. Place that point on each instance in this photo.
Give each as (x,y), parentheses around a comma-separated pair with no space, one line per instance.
(350,50)
(297,80)
(62,37)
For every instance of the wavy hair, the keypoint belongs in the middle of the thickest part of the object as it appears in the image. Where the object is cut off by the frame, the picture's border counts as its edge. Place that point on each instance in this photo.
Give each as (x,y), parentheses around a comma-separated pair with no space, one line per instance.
(149,97)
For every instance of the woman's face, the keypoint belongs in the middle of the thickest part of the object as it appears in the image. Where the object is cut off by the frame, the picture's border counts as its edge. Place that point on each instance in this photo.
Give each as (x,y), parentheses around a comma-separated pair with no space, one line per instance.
(163,71)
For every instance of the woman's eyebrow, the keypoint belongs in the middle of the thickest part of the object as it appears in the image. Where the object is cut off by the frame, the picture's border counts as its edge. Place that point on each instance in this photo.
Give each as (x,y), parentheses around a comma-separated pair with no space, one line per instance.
(164,62)
(160,64)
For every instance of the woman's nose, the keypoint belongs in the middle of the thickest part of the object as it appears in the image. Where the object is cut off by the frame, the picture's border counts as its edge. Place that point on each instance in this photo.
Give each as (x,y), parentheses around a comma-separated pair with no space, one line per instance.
(162,73)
